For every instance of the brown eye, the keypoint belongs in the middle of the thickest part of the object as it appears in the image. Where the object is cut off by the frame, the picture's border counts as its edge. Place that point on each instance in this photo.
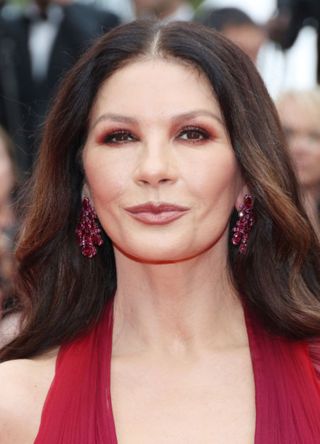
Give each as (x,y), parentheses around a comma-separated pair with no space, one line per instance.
(289,132)
(314,137)
(193,134)
(119,137)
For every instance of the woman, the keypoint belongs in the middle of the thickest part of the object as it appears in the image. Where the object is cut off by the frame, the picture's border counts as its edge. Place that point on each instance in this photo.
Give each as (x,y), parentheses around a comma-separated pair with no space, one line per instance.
(300,115)
(8,226)
(8,179)
(237,26)
(169,273)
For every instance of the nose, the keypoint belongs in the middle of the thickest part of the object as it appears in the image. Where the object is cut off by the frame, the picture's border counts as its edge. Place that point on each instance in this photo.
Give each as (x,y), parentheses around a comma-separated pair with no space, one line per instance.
(156,164)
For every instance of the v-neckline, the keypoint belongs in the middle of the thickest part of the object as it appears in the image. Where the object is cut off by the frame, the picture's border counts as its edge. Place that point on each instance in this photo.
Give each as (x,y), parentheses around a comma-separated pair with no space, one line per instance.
(257,369)
(255,363)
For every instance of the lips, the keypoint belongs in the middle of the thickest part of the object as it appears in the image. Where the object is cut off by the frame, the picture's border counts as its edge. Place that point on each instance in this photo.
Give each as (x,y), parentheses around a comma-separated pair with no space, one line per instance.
(160,213)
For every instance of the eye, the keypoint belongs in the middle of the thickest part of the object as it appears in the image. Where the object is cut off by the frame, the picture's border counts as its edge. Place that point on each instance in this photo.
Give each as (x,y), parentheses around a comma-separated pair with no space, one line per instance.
(314,137)
(193,134)
(289,132)
(118,137)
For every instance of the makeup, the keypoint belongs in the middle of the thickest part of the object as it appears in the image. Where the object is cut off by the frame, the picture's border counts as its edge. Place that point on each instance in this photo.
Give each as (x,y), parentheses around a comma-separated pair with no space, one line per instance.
(157,213)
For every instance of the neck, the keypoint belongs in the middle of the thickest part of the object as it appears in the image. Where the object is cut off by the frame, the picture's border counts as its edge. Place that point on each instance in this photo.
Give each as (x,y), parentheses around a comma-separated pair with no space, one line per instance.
(176,308)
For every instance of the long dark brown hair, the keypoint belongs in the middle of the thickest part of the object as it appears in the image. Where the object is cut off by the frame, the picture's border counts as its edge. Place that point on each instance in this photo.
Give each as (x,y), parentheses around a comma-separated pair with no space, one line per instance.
(64,293)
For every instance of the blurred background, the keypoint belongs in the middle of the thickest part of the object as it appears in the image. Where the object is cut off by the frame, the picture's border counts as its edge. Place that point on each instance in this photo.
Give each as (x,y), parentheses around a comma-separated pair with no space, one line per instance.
(296,67)
(41,39)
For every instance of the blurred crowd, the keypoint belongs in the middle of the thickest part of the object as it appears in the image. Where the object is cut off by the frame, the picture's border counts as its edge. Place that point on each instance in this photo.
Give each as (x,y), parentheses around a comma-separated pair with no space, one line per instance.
(41,39)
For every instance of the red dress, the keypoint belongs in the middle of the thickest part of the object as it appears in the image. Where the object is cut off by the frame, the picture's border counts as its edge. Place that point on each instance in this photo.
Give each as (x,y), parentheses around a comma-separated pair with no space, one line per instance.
(78,407)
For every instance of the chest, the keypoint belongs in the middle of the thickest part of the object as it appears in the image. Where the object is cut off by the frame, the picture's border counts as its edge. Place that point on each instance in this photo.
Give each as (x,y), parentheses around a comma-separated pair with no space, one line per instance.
(212,401)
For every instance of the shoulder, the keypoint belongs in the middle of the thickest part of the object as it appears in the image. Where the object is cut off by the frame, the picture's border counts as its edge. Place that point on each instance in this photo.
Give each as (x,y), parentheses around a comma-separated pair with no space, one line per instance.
(11,15)
(109,19)
(24,386)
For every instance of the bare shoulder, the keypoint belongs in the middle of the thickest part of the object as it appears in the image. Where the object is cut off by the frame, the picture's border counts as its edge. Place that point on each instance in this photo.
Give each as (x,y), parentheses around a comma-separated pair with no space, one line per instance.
(24,385)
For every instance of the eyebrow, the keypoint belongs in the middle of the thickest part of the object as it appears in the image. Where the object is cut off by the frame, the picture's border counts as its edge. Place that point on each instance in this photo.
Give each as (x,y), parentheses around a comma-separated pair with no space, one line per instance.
(131,120)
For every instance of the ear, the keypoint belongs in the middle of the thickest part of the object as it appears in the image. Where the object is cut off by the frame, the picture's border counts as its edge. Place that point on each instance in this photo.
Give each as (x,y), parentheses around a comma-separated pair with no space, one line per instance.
(240,198)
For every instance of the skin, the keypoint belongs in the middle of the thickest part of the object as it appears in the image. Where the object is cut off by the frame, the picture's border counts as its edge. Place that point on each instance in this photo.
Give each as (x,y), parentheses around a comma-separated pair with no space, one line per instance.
(7,183)
(6,220)
(248,38)
(159,8)
(157,134)
(301,124)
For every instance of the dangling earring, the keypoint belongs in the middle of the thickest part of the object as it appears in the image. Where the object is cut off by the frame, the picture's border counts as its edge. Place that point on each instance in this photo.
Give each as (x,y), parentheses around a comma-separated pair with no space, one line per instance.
(87,231)
(244,224)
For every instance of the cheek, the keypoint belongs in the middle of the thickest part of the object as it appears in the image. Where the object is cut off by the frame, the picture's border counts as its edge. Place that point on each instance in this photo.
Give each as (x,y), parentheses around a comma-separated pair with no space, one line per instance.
(312,157)
(315,166)
(6,177)
(316,155)
(217,179)
(106,181)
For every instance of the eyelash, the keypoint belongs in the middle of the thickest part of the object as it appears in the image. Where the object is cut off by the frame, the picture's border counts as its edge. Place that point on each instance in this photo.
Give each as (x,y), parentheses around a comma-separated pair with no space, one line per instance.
(119,137)
(109,139)
(204,135)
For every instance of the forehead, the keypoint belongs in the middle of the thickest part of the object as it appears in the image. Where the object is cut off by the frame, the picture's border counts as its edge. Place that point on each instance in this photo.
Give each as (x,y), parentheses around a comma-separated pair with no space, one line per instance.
(155,86)
(151,3)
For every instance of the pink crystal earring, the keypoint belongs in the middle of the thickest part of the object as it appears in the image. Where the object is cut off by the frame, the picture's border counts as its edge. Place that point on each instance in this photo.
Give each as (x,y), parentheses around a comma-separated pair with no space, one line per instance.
(87,231)
(244,224)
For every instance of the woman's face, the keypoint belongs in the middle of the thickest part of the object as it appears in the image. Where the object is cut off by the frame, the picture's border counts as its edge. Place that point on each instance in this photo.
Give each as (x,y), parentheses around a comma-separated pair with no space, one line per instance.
(301,124)
(6,174)
(159,166)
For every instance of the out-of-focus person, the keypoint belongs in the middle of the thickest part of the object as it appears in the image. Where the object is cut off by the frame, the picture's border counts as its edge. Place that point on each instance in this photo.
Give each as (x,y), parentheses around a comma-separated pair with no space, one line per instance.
(300,116)
(8,180)
(165,10)
(8,228)
(290,17)
(38,44)
(237,26)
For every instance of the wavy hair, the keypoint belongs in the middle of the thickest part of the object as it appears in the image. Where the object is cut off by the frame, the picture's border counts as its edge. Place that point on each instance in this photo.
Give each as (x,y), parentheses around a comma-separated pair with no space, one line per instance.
(64,293)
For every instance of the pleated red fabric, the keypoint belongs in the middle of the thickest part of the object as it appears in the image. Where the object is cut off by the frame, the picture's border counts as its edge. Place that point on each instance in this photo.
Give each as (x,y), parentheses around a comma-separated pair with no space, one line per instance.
(78,407)
(287,388)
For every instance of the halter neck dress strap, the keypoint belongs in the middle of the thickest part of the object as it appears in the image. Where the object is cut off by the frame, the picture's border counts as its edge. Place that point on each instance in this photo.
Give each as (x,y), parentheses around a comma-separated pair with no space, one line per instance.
(287,388)
(78,407)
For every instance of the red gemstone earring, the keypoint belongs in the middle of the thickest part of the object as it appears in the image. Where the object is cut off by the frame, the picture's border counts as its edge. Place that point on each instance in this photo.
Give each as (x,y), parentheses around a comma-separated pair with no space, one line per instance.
(244,224)
(87,231)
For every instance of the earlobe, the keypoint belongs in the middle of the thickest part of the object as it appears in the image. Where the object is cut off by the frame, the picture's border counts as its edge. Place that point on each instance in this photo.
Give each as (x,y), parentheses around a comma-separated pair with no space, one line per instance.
(240,198)
(85,191)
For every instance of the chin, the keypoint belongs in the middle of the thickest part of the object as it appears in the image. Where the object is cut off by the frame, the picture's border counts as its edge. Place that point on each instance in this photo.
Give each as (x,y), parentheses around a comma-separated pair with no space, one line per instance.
(162,255)
(153,255)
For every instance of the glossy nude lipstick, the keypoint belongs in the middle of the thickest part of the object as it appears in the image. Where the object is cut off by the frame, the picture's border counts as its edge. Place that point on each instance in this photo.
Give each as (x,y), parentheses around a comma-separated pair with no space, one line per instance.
(153,213)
